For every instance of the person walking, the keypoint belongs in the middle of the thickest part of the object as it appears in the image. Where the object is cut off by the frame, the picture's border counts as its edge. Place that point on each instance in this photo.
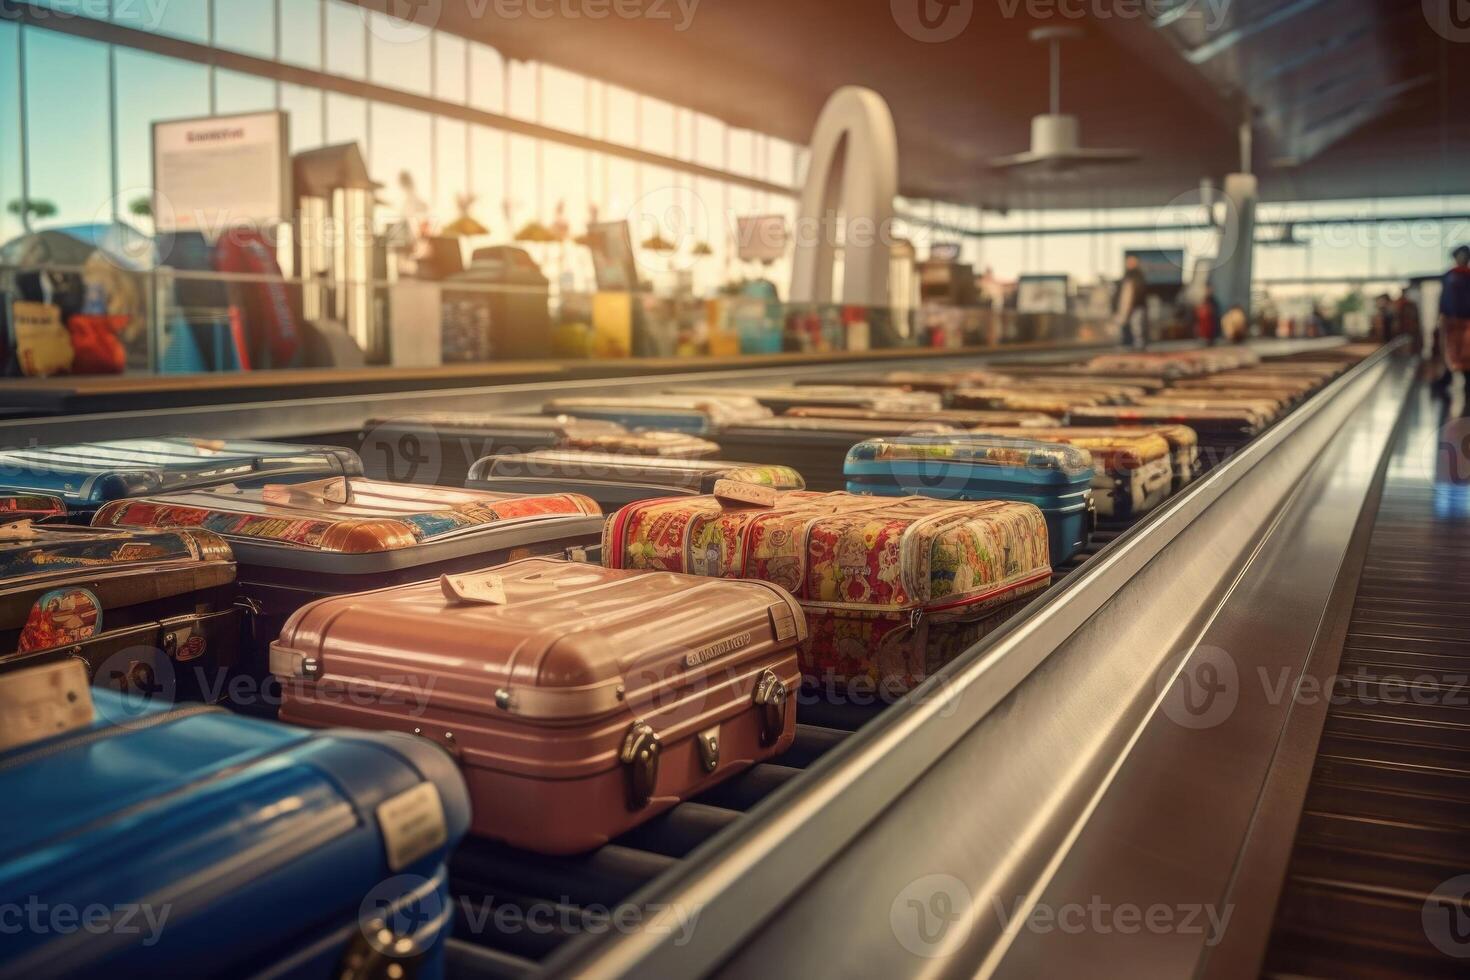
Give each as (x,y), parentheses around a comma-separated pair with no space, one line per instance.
(1454,321)
(1133,305)
(1207,317)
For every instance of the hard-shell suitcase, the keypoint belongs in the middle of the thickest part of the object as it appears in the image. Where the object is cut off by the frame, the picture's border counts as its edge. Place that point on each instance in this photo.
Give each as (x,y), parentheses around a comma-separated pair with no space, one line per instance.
(88,475)
(893,588)
(36,507)
(442,448)
(816,447)
(1023,399)
(297,543)
(780,400)
(1056,478)
(1133,470)
(963,418)
(614,480)
(1222,431)
(1265,403)
(1291,388)
(188,841)
(579,701)
(698,414)
(1043,374)
(935,382)
(145,611)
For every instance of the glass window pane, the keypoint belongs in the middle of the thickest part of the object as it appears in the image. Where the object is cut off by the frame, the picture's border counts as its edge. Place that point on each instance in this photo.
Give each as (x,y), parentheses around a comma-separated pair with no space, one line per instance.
(69,153)
(346,39)
(487,78)
(656,126)
(521,86)
(186,20)
(596,109)
(10,225)
(742,152)
(401,54)
(780,162)
(246,25)
(301,32)
(523,184)
(709,142)
(347,121)
(401,140)
(451,168)
(487,179)
(563,100)
(450,67)
(303,106)
(151,88)
(622,116)
(684,126)
(236,92)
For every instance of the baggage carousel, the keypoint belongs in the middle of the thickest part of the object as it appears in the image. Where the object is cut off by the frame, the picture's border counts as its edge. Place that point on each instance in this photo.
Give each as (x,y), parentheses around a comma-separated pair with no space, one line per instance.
(1128,747)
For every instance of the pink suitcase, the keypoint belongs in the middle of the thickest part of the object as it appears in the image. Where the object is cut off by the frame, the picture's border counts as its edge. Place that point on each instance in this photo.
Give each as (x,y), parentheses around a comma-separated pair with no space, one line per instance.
(579,701)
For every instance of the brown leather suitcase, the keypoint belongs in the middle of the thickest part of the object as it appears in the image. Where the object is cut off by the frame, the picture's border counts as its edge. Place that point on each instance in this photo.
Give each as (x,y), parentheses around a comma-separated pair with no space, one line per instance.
(579,701)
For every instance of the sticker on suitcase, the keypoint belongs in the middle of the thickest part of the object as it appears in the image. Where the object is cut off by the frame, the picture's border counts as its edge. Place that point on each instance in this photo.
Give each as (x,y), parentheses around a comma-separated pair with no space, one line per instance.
(61,617)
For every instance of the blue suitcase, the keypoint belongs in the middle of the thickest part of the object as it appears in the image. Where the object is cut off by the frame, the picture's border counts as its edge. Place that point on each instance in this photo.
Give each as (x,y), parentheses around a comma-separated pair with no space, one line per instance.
(145,839)
(1056,478)
(89,474)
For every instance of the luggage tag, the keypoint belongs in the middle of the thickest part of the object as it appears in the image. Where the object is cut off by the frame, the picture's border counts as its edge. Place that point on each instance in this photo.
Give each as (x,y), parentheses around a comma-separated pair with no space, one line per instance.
(733,493)
(44,701)
(474,589)
(333,491)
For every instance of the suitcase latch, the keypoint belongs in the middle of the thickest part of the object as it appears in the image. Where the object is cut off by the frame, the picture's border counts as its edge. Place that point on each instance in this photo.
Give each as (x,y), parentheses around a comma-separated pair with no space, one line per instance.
(709,748)
(640,753)
(770,697)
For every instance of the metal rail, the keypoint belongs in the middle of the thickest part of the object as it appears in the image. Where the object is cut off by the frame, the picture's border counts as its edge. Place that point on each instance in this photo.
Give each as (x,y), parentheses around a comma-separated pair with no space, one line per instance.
(991,774)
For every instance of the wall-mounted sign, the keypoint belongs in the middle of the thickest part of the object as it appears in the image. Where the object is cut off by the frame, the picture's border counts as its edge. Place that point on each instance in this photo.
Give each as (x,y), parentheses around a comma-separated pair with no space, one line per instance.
(1042,294)
(221,172)
(762,238)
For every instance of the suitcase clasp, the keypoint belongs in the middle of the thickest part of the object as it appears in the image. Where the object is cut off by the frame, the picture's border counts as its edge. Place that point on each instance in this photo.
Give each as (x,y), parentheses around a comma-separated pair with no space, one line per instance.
(640,754)
(770,697)
(709,748)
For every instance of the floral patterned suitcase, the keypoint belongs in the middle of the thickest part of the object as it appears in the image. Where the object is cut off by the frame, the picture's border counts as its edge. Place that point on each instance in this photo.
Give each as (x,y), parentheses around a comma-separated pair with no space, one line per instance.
(893,588)
(150,613)
(614,481)
(579,701)
(441,448)
(296,543)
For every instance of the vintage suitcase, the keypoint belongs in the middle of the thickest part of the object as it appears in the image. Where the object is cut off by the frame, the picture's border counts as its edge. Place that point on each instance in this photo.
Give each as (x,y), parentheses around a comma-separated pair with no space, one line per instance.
(1221,431)
(579,701)
(1290,387)
(816,447)
(1024,398)
(1042,375)
(780,400)
(212,844)
(442,448)
(963,418)
(39,508)
(893,588)
(297,543)
(1056,478)
(88,475)
(614,480)
(146,611)
(935,382)
(1133,470)
(1265,403)
(698,414)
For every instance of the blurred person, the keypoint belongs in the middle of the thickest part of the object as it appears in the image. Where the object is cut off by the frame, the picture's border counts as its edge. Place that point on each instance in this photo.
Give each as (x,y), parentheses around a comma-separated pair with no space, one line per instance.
(1234,325)
(1207,317)
(1383,320)
(1453,336)
(1132,307)
(1407,321)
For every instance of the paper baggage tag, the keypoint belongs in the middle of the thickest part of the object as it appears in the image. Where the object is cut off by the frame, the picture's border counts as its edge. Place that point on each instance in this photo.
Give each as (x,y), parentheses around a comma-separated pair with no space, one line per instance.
(413,825)
(486,589)
(333,491)
(44,701)
(744,494)
(23,530)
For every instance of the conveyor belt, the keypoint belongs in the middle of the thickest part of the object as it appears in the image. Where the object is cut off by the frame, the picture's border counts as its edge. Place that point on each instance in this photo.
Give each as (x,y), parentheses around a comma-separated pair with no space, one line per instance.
(1377,882)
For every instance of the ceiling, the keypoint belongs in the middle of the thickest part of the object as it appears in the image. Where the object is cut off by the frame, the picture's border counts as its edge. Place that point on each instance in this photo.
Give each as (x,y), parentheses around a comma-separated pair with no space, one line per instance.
(1350,98)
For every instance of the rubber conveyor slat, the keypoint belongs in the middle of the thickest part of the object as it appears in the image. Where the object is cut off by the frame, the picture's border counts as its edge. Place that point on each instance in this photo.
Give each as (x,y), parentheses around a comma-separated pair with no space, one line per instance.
(1377,882)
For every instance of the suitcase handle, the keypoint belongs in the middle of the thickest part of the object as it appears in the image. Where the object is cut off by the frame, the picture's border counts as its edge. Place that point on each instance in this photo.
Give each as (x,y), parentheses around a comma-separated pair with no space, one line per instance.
(770,697)
(336,490)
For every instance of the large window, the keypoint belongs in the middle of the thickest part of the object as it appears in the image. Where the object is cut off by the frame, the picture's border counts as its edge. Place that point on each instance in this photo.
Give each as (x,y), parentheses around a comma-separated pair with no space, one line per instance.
(301,32)
(66,104)
(346,39)
(10,182)
(246,25)
(150,89)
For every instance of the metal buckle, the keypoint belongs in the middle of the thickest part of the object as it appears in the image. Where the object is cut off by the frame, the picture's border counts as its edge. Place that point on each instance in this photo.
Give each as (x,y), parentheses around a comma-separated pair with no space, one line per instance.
(770,697)
(709,748)
(640,754)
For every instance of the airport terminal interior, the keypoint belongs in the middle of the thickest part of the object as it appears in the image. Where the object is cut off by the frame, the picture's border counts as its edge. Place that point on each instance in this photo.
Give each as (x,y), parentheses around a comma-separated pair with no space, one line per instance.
(499,489)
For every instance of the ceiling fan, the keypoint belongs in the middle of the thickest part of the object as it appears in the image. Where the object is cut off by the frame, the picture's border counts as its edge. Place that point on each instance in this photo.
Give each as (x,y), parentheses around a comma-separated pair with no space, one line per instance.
(1056,138)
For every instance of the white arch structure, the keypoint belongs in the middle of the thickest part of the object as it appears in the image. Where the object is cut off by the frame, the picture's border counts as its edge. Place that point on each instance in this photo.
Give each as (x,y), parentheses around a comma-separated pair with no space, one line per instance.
(853,171)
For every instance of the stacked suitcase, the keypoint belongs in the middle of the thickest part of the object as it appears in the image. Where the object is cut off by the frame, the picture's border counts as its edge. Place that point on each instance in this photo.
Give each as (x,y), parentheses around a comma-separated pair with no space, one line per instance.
(697,414)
